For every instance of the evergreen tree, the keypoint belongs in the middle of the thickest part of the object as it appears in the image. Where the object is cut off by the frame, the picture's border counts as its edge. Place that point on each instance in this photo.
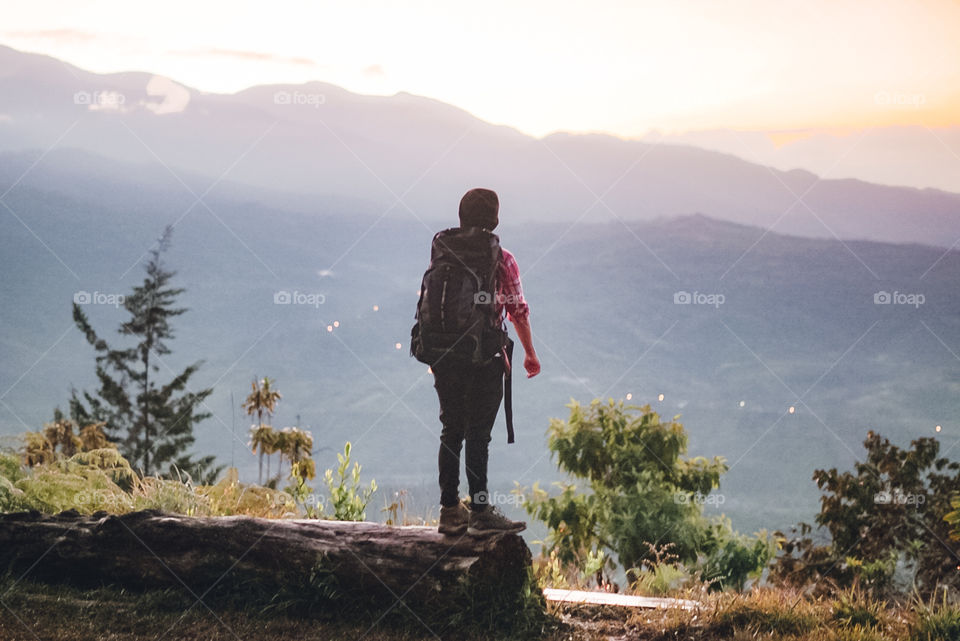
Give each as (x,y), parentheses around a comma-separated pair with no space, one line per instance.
(152,421)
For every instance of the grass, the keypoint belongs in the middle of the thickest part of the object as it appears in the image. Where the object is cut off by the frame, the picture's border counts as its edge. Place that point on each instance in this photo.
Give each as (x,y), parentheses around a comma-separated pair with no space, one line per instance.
(33,611)
(776,614)
(59,613)
(936,621)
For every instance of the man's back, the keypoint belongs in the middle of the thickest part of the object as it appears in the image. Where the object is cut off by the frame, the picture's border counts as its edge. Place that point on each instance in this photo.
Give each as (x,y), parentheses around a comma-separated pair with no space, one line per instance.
(470,389)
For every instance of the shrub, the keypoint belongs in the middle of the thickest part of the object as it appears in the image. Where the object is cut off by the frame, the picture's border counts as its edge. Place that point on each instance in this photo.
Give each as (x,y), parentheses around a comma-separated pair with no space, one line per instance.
(887,514)
(639,489)
(348,500)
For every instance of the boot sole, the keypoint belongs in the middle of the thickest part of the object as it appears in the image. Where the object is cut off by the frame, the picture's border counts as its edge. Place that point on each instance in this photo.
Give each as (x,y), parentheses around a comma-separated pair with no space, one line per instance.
(453,531)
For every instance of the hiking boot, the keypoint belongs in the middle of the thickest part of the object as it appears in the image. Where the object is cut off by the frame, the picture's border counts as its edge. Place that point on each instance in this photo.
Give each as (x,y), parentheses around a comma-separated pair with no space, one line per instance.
(492,520)
(454,519)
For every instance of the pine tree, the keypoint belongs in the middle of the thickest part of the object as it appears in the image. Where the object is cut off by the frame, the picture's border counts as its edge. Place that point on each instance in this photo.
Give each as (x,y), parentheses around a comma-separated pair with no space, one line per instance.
(152,421)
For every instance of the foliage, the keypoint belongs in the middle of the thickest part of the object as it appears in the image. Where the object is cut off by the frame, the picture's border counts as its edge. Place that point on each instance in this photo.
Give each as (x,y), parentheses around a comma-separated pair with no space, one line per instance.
(766,612)
(61,438)
(936,621)
(854,608)
(262,400)
(86,482)
(293,444)
(397,509)
(888,513)
(953,518)
(102,479)
(731,558)
(229,497)
(642,492)
(153,423)
(660,580)
(348,500)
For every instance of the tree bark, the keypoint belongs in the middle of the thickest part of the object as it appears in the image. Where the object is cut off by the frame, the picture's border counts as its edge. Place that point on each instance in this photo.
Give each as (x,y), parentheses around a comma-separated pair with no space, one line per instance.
(386,567)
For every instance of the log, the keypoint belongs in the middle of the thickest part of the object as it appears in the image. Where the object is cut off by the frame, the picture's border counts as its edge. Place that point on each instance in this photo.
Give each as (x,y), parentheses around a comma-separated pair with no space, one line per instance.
(345,562)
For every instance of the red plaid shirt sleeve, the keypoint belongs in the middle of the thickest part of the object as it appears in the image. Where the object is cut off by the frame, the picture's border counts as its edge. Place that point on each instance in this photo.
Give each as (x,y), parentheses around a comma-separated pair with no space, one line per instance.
(510,294)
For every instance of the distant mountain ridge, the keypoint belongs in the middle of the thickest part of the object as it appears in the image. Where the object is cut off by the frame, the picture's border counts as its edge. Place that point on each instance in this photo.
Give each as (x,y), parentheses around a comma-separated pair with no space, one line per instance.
(410,156)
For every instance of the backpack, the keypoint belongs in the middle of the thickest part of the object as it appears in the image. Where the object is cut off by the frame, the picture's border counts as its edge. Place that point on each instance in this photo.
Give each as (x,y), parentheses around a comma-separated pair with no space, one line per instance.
(457,312)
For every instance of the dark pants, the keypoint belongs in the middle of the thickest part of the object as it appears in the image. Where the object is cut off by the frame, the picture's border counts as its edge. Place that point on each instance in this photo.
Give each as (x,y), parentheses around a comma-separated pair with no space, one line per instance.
(469,400)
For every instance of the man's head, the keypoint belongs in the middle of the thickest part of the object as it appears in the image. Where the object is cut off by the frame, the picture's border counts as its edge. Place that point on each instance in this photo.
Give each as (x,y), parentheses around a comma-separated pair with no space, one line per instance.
(480,208)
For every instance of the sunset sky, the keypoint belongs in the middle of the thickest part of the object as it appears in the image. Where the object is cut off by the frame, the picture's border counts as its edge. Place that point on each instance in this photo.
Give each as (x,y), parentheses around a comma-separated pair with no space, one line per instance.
(618,67)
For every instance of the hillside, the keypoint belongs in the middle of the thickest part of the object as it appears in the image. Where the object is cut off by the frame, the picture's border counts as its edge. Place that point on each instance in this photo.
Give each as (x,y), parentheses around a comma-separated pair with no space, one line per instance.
(797,327)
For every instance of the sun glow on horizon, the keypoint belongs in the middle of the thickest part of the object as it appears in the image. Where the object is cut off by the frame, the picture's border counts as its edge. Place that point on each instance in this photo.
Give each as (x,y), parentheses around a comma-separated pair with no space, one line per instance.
(614,67)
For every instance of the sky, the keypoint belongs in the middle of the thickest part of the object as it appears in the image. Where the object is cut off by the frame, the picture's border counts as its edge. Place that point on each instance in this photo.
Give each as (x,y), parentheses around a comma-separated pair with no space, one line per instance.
(625,68)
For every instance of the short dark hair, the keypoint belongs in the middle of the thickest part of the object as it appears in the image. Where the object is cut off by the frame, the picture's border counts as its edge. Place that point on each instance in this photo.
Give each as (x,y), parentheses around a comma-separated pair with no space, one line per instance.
(480,208)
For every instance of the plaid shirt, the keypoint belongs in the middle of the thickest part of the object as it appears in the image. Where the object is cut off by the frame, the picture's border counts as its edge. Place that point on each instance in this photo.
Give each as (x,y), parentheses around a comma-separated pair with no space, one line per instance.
(510,294)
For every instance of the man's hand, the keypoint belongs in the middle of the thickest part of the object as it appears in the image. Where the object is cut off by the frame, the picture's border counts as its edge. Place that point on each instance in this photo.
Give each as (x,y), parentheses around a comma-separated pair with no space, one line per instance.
(532,364)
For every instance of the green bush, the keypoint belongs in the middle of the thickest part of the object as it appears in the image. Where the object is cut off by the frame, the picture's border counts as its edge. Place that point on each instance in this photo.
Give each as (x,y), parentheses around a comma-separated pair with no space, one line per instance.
(639,490)
(348,500)
(888,513)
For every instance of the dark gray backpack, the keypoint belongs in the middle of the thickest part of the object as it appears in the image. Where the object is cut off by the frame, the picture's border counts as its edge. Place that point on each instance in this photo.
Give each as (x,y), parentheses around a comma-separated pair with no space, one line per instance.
(457,312)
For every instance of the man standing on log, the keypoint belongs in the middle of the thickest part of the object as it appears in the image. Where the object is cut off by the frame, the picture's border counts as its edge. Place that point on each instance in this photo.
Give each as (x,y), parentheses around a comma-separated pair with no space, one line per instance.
(471,284)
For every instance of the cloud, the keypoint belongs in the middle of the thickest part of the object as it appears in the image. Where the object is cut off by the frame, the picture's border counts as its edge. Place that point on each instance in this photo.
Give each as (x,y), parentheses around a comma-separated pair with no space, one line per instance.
(375,71)
(60,35)
(174,97)
(6,118)
(252,56)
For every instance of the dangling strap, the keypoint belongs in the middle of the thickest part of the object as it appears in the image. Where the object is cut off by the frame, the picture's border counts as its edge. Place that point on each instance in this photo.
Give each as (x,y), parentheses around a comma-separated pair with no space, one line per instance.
(507,391)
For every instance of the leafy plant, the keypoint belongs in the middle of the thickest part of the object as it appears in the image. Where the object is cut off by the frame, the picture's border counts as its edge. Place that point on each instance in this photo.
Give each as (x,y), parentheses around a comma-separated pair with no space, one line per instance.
(640,491)
(348,500)
(890,512)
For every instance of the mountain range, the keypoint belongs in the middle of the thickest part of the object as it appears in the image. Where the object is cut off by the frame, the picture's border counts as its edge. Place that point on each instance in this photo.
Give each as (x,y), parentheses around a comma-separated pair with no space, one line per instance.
(406,155)
(651,269)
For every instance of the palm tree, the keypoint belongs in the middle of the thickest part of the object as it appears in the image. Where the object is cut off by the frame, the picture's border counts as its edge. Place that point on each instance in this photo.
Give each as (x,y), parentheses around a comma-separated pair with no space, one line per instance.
(59,433)
(296,446)
(273,445)
(262,400)
(92,437)
(37,449)
(261,440)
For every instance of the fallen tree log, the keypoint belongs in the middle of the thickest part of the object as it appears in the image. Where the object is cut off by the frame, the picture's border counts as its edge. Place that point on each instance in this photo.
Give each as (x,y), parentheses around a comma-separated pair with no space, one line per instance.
(338,563)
